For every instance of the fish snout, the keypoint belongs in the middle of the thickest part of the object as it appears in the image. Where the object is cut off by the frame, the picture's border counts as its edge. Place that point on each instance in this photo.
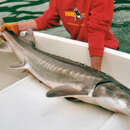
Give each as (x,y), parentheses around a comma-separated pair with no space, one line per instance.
(116,95)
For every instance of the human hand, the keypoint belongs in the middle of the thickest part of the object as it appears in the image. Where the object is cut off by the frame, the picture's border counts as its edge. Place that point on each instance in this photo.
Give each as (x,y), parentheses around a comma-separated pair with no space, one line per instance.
(24,26)
(96,62)
(11,27)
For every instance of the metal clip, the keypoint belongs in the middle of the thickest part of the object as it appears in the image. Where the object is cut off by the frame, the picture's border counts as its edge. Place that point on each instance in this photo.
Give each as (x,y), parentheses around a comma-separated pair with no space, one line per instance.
(77,14)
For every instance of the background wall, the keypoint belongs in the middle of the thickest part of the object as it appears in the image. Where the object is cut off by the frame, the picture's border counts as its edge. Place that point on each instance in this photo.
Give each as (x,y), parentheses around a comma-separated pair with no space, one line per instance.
(17,10)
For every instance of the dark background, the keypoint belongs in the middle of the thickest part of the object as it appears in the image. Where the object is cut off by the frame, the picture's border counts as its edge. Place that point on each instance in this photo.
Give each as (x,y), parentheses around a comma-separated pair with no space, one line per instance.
(17,10)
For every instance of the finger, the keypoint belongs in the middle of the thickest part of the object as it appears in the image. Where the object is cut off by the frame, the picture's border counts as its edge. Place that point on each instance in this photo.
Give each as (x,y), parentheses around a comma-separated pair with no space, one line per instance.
(2,37)
(15,30)
(2,28)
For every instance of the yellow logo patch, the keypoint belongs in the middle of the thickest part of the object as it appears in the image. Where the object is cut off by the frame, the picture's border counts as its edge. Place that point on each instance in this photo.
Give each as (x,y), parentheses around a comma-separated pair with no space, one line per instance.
(72,14)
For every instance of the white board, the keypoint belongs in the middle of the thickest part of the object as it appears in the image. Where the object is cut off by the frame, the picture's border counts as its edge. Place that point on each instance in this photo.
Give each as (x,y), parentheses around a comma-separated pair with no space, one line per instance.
(8,77)
(24,106)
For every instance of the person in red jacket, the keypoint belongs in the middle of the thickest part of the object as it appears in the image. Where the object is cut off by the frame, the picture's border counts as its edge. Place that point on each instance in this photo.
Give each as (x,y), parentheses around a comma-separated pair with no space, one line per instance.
(85,20)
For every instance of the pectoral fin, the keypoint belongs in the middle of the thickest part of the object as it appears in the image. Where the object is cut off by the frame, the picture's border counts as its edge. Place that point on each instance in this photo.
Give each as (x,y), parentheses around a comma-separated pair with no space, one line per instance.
(65,91)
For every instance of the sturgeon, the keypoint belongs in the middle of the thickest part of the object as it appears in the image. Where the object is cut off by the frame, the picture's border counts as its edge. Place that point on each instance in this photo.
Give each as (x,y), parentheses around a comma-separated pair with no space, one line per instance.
(66,78)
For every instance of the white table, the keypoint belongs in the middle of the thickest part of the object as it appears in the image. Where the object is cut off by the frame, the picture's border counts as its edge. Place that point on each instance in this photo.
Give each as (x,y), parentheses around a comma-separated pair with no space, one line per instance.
(24,106)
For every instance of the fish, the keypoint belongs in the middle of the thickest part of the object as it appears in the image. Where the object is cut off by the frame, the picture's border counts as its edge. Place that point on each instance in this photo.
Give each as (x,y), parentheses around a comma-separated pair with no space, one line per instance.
(67,78)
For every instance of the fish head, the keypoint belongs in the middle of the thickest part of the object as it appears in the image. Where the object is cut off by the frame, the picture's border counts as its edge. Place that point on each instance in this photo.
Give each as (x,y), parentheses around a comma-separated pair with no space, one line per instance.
(115,94)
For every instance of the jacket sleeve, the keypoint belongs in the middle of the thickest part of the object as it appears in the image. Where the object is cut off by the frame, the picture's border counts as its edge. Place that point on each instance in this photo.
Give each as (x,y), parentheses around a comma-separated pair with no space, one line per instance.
(50,17)
(99,22)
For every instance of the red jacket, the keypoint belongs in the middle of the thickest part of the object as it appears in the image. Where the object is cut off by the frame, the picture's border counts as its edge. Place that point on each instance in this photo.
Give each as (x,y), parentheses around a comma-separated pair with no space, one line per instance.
(93,26)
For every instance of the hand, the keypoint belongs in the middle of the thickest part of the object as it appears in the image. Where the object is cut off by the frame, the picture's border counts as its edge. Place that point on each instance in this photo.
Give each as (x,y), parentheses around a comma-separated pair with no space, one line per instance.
(96,62)
(11,27)
(2,37)
(24,26)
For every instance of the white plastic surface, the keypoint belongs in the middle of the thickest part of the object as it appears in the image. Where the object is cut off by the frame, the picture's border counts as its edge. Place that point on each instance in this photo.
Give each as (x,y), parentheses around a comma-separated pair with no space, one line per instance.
(117,122)
(24,106)
(8,77)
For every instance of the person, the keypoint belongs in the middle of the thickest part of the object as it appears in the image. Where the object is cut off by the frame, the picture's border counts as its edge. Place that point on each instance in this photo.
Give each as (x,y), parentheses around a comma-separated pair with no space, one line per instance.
(85,20)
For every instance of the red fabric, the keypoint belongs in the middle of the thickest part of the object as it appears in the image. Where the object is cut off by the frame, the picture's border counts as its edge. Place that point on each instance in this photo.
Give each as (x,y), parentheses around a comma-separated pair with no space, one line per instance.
(93,28)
